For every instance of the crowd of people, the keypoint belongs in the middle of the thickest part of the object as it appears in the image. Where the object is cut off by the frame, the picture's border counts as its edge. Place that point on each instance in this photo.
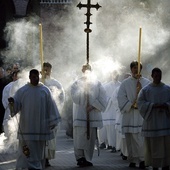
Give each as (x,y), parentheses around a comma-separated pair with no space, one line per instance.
(131,116)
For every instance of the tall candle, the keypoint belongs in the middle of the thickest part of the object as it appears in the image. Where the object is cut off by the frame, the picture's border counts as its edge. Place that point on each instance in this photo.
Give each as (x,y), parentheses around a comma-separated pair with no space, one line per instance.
(139,49)
(41,46)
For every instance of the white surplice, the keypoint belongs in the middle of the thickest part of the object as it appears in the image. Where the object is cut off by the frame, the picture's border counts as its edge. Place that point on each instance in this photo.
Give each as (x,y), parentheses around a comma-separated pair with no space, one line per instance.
(56,90)
(97,98)
(38,113)
(156,124)
(58,94)
(131,119)
(109,115)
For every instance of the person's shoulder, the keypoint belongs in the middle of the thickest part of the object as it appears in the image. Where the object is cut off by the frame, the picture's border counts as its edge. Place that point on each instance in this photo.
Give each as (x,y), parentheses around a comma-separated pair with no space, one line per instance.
(145,79)
(127,80)
(27,85)
(8,85)
(148,86)
(79,80)
(53,82)
(110,84)
(167,86)
(43,86)
(24,88)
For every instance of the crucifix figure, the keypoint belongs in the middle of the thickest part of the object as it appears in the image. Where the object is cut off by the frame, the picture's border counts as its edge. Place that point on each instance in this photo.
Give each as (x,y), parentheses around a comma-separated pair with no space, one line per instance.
(88,14)
(88,31)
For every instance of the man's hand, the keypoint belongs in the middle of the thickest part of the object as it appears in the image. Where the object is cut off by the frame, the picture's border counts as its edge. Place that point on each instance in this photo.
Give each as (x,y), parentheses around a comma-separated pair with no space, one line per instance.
(89,108)
(134,105)
(11,100)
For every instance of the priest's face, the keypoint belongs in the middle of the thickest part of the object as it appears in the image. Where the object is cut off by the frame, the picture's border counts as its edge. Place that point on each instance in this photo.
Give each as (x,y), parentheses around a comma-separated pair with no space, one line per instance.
(47,71)
(134,70)
(157,76)
(34,79)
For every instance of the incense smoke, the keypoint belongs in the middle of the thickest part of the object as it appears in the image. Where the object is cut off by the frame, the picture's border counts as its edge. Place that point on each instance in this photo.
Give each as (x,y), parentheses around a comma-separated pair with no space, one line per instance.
(113,41)
(115,34)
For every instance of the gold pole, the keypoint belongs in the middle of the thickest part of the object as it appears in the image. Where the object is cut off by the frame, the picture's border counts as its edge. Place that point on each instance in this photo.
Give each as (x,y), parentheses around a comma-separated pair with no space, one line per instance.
(138,87)
(139,49)
(41,46)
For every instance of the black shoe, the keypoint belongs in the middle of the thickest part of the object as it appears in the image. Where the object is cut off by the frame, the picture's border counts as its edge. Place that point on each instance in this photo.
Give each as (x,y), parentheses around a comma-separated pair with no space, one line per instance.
(142,165)
(87,163)
(132,165)
(155,168)
(109,147)
(124,157)
(102,146)
(113,150)
(47,164)
(82,162)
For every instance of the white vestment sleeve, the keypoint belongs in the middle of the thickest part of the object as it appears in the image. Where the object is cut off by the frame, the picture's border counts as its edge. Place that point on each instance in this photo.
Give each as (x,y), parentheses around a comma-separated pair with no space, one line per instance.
(53,112)
(77,93)
(100,102)
(124,103)
(144,106)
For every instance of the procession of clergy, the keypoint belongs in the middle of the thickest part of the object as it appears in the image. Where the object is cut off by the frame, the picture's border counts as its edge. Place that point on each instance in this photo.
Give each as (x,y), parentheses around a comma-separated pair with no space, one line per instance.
(132,116)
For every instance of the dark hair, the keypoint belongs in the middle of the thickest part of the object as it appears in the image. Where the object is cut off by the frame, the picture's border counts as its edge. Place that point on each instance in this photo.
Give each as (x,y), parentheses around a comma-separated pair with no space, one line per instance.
(15,72)
(47,64)
(156,69)
(34,71)
(135,63)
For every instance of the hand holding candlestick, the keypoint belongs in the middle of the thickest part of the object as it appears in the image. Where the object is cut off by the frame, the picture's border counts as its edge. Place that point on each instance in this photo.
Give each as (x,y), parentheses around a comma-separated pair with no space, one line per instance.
(138,86)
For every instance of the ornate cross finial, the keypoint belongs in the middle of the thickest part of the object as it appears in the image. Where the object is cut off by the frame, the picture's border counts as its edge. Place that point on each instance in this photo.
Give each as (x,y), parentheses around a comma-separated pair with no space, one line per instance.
(88,14)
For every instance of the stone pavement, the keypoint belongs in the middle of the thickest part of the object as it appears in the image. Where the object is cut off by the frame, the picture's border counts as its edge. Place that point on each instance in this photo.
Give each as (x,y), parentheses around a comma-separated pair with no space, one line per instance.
(65,159)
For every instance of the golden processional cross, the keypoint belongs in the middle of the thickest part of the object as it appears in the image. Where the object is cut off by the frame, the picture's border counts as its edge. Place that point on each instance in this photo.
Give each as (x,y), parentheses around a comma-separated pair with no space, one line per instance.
(88,31)
(88,14)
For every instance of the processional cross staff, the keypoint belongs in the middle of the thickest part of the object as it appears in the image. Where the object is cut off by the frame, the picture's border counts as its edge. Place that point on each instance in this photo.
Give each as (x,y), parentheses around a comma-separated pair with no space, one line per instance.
(87,30)
(88,22)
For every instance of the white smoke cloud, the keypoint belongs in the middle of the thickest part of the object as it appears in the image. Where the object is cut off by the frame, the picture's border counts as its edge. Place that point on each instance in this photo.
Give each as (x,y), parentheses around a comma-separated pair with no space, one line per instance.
(115,34)
(113,41)
(118,24)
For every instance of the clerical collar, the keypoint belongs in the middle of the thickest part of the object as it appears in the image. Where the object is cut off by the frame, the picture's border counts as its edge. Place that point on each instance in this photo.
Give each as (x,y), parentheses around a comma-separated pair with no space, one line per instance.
(160,84)
(39,84)
(136,77)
